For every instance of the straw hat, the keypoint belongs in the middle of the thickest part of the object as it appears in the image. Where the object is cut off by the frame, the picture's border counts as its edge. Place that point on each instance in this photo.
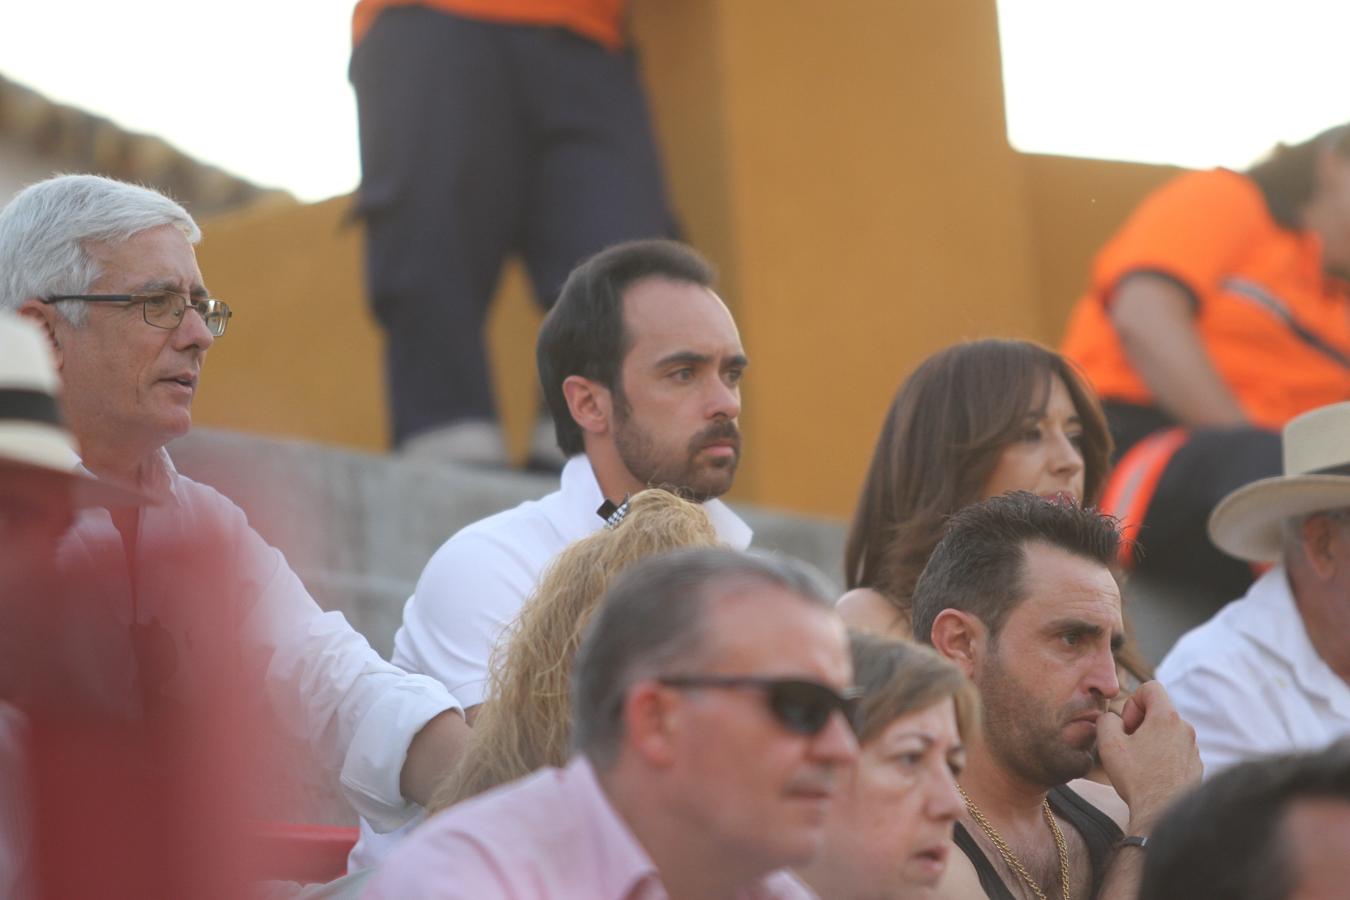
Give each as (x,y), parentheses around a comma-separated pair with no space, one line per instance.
(1316,477)
(32,436)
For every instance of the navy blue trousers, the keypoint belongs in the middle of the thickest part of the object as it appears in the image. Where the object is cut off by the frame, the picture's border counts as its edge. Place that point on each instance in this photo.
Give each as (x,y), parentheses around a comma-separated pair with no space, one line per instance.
(480,140)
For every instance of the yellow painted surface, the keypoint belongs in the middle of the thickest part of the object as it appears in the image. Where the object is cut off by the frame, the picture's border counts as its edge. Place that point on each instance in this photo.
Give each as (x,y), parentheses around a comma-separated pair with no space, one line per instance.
(845,166)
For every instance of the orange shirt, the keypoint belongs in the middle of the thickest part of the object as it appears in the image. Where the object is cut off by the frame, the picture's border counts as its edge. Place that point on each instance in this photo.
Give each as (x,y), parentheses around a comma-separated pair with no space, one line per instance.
(599,20)
(1271,321)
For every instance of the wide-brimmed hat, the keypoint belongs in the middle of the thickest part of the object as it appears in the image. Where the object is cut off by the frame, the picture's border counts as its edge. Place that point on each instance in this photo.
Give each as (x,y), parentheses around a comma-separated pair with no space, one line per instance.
(32,436)
(1316,477)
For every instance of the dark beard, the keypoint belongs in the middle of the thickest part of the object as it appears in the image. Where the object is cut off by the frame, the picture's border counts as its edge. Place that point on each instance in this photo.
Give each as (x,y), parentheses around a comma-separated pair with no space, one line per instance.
(681,476)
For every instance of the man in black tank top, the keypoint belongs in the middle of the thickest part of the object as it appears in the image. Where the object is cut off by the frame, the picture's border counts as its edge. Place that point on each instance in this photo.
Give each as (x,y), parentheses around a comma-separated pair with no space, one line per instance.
(1019,594)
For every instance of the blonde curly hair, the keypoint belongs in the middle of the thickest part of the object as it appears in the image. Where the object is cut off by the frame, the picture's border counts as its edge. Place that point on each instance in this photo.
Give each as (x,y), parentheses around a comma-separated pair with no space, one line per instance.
(525,721)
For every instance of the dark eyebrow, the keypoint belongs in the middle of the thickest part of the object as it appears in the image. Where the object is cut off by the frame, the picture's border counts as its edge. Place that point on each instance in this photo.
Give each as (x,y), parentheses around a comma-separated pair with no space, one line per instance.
(690,358)
(683,357)
(1088,629)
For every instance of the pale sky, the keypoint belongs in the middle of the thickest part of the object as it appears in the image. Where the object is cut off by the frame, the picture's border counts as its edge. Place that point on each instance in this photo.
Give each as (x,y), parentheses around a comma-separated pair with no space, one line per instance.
(260,88)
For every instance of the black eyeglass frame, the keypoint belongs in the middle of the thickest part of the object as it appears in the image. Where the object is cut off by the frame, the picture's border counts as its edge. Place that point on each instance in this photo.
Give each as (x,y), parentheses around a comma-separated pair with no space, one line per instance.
(847,703)
(209,308)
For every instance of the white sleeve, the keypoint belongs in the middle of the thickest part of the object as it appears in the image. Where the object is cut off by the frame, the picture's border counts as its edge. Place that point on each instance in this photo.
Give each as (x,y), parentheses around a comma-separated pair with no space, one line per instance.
(1233,721)
(358,712)
(470,591)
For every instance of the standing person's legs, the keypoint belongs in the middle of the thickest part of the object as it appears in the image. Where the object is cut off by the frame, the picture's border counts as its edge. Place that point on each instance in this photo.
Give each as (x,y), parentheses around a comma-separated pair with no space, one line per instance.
(594,169)
(595,172)
(441,154)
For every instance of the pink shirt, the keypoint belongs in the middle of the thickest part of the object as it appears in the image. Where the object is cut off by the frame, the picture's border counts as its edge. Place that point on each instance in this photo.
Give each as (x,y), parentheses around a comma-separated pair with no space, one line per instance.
(551,836)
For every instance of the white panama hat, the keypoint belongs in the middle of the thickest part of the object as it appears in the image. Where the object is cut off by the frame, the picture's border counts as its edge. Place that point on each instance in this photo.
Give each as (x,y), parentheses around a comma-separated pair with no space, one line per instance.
(32,437)
(1316,478)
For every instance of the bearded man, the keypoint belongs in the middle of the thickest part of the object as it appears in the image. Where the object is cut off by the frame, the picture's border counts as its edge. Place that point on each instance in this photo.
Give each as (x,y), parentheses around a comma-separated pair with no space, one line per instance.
(1019,593)
(641,365)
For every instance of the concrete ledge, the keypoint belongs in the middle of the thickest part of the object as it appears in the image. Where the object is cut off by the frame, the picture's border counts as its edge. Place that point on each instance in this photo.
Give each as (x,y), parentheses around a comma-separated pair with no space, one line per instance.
(358,527)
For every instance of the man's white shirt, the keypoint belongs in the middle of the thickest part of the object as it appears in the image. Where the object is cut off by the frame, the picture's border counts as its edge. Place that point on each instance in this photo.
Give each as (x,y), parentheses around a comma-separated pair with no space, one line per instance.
(1251,683)
(476,583)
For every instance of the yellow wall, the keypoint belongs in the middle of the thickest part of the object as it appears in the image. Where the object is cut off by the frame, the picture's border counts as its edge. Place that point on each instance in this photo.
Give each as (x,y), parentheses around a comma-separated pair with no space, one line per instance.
(846,167)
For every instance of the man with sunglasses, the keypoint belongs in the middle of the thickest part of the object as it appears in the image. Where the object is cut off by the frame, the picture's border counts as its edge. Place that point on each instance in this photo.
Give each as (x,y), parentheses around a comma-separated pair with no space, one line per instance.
(1019,594)
(107,271)
(711,710)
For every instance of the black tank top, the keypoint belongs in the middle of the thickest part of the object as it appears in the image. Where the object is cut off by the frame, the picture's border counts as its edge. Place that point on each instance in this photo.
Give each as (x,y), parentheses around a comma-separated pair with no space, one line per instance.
(1099,832)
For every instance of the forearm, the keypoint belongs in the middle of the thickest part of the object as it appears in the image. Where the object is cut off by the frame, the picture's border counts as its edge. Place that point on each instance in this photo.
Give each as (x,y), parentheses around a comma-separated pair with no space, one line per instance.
(433,752)
(1124,875)
(1153,318)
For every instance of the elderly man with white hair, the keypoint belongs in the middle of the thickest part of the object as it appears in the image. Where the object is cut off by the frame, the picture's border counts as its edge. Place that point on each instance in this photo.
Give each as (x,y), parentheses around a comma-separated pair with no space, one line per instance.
(1270,673)
(108,272)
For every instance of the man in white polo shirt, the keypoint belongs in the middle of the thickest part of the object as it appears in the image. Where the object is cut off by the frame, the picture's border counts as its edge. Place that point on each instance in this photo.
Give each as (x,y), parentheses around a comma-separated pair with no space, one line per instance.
(641,365)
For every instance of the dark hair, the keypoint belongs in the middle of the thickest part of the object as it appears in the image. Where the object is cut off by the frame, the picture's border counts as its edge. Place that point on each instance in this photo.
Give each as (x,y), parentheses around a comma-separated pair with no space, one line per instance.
(651,621)
(978,565)
(1288,175)
(1224,840)
(942,438)
(901,677)
(584,332)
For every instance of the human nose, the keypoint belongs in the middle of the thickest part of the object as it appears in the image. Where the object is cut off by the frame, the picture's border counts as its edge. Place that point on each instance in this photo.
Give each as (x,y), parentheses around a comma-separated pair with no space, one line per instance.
(192,331)
(835,743)
(944,800)
(1102,679)
(724,399)
(1066,459)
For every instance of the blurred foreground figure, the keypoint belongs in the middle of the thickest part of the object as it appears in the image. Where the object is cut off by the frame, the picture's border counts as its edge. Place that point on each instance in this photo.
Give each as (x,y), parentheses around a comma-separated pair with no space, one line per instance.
(38,494)
(108,272)
(1218,312)
(489,128)
(1270,673)
(710,714)
(1269,829)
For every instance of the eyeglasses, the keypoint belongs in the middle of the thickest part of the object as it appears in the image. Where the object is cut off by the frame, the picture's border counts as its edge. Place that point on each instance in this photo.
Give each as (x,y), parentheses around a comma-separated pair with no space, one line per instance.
(800,706)
(163,309)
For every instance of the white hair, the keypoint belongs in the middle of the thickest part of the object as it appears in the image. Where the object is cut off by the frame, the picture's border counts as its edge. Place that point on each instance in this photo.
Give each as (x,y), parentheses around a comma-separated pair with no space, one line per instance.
(46,229)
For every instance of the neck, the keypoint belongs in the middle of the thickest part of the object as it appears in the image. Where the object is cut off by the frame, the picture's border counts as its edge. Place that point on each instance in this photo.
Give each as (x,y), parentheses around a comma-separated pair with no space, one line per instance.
(1326,620)
(118,460)
(611,474)
(690,862)
(1319,217)
(1001,794)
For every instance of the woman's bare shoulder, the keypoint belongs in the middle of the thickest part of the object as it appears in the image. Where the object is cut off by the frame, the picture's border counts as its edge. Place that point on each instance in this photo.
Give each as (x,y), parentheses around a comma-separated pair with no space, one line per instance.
(868,610)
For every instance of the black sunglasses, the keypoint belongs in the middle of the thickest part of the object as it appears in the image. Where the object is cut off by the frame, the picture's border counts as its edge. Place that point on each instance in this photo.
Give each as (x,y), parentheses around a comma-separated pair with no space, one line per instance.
(800,706)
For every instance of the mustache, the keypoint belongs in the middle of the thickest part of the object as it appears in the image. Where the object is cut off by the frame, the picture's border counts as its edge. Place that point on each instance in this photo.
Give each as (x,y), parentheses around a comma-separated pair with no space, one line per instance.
(717,432)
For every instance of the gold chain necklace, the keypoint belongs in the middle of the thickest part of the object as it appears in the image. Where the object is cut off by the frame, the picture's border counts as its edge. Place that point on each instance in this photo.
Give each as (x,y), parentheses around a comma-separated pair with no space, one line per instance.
(1006,852)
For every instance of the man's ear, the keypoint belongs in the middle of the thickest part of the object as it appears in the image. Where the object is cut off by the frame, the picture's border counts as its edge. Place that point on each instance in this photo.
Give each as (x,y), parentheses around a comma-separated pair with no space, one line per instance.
(960,637)
(1317,533)
(649,718)
(590,403)
(45,316)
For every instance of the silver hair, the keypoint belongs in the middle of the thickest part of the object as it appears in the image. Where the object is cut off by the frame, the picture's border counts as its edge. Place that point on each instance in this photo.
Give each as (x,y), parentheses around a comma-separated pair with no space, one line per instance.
(46,229)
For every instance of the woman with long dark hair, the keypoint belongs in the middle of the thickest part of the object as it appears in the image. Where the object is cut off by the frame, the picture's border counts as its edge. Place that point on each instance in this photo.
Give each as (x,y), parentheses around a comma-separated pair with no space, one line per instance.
(974,420)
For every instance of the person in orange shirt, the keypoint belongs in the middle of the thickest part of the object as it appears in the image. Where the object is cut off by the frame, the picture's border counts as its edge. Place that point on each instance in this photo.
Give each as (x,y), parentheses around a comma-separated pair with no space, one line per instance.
(1220,310)
(488,127)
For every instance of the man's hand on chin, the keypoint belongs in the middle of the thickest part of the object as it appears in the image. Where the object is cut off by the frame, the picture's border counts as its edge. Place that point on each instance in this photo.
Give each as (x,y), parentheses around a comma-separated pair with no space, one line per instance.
(1149,753)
